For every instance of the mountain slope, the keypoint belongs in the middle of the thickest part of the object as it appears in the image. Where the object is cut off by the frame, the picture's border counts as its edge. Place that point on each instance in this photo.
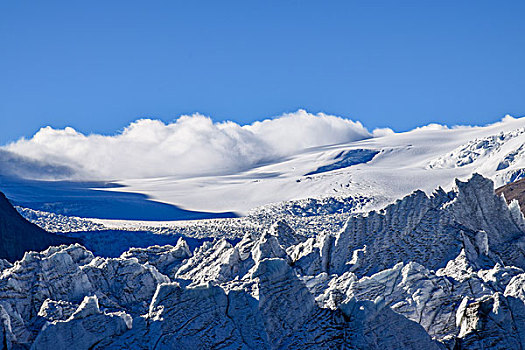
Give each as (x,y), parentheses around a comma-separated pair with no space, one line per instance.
(379,169)
(17,235)
(514,191)
(385,168)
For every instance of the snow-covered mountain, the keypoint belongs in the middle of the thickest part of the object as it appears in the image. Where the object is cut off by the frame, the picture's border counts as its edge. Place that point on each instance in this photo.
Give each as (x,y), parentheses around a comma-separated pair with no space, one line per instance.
(381,167)
(385,168)
(396,241)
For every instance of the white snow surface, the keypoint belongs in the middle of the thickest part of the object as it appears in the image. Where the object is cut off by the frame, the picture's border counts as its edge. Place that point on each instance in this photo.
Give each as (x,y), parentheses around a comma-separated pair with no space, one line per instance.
(224,167)
(424,158)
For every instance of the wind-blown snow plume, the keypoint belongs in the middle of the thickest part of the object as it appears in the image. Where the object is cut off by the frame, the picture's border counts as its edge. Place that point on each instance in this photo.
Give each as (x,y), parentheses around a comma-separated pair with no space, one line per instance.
(192,145)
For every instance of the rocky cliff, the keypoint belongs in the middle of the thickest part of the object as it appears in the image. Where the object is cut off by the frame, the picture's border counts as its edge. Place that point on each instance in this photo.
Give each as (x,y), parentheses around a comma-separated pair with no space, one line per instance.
(18,236)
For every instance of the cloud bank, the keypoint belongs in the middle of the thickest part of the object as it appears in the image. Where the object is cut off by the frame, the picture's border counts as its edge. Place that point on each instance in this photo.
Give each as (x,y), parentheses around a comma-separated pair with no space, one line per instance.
(13,165)
(192,145)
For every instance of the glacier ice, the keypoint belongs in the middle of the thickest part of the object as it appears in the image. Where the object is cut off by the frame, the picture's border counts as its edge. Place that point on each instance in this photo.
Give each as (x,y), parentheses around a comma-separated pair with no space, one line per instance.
(444,271)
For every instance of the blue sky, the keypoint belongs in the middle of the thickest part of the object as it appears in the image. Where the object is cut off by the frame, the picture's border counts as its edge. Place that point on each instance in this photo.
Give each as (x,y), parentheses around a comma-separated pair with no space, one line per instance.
(97,65)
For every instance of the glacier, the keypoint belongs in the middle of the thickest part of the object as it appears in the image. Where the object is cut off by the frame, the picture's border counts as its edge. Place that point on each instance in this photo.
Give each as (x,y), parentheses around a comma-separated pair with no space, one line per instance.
(379,169)
(438,271)
(397,241)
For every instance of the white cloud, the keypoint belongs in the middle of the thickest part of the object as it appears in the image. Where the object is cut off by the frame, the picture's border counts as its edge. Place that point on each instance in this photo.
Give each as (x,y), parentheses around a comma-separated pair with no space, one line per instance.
(295,131)
(380,132)
(192,145)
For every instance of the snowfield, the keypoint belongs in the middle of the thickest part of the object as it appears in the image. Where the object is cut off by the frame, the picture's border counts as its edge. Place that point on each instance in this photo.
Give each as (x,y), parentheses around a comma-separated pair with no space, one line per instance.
(382,167)
(385,168)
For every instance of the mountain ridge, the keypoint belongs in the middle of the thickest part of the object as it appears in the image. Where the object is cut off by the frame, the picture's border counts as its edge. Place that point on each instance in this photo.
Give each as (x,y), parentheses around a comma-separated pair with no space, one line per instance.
(378,283)
(18,236)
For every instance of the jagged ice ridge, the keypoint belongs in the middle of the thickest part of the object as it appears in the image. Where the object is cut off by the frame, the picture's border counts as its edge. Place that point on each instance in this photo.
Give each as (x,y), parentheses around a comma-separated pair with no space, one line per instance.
(444,271)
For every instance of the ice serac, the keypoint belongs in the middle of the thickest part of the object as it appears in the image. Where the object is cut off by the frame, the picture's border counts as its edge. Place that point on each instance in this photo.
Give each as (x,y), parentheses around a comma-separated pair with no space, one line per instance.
(492,322)
(86,328)
(167,259)
(123,283)
(291,316)
(480,149)
(47,286)
(18,236)
(444,271)
(285,235)
(480,210)
(408,289)
(213,261)
(270,309)
(432,231)
(192,318)
(373,326)
(220,261)
(516,287)
(296,320)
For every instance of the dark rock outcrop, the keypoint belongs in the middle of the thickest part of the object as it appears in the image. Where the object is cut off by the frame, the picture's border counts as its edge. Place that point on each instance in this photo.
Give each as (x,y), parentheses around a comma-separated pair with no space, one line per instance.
(17,235)
(514,190)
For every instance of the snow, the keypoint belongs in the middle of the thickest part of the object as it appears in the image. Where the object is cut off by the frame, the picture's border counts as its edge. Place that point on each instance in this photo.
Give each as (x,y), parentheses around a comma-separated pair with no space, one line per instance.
(373,171)
(439,271)
(404,162)
(414,250)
